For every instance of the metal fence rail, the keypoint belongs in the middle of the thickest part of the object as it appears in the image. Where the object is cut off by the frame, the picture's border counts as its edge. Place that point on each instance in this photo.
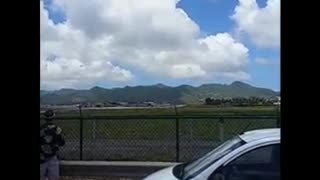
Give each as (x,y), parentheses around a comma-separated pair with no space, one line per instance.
(151,138)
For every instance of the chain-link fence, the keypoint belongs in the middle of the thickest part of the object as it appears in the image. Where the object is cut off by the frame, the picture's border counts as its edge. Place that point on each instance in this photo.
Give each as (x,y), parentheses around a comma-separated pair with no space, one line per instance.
(152,138)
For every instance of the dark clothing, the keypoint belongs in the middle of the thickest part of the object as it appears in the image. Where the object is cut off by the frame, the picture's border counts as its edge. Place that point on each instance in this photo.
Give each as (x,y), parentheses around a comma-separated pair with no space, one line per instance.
(51,138)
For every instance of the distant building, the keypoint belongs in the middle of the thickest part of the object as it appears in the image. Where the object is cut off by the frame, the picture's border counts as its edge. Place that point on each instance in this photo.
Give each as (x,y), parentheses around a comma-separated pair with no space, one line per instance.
(99,105)
(276,103)
(149,103)
(123,103)
(276,100)
(87,104)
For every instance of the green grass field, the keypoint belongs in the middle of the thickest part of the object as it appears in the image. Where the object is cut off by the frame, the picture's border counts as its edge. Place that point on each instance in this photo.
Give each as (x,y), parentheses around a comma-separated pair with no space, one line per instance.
(203,110)
(161,124)
(197,125)
(202,129)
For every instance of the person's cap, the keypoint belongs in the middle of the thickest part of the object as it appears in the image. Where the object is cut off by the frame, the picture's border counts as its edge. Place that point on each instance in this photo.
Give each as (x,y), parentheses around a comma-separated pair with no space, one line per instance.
(49,113)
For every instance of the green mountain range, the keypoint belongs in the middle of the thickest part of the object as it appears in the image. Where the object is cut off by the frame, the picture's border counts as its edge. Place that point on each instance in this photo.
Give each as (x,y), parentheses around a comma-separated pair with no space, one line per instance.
(158,93)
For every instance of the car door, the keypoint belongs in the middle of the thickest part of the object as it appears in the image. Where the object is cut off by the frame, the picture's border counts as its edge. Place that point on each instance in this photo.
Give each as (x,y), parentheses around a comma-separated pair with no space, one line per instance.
(262,163)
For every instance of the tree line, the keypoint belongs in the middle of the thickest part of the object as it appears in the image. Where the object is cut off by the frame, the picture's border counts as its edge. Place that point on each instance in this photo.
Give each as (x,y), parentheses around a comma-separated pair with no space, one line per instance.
(240,101)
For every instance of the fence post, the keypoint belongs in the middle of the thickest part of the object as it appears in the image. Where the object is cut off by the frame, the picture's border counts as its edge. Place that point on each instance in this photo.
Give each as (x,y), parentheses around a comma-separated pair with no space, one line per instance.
(177,134)
(93,141)
(278,116)
(81,132)
(221,128)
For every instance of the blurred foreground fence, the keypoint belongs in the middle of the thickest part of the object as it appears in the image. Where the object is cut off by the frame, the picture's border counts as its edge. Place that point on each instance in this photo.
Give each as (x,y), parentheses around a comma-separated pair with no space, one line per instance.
(152,138)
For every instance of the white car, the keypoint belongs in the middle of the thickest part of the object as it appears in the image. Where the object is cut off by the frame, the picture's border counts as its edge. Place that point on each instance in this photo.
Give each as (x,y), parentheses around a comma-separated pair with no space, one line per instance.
(253,155)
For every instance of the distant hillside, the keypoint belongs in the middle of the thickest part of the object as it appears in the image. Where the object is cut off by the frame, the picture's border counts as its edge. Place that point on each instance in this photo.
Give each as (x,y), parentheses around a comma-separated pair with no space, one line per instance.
(158,93)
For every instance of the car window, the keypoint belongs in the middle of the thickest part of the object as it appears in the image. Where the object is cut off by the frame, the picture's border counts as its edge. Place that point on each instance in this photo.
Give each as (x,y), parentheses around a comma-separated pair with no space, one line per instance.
(258,156)
(196,167)
(260,164)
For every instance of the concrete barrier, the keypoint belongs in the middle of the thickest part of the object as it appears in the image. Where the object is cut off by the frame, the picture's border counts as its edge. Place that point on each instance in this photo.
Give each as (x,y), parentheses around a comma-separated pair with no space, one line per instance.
(111,169)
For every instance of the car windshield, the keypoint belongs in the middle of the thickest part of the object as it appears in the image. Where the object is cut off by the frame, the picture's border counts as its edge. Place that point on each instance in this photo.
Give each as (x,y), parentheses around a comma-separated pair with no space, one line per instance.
(194,168)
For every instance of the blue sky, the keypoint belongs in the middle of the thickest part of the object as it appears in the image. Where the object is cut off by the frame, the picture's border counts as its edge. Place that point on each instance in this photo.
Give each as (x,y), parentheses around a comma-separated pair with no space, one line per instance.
(212,16)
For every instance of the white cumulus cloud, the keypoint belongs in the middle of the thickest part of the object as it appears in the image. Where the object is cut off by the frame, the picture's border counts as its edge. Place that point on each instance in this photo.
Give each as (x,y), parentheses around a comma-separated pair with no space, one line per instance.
(261,24)
(102,40)
(70,59)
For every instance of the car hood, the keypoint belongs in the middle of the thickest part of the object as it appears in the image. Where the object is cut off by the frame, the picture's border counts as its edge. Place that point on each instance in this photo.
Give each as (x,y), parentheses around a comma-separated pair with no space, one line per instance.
(164,174)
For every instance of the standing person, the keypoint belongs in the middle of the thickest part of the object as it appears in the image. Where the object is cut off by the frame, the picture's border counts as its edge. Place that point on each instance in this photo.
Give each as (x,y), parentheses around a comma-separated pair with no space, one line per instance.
(51,139)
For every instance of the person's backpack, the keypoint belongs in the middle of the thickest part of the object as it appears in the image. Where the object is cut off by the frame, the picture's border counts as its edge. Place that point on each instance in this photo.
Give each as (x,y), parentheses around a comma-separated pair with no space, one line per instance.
(51,138)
